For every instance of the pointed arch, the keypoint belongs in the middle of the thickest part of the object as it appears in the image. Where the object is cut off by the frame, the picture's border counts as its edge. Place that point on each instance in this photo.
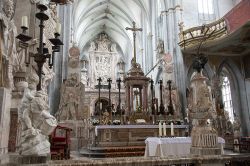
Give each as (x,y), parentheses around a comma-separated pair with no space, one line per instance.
(238,91)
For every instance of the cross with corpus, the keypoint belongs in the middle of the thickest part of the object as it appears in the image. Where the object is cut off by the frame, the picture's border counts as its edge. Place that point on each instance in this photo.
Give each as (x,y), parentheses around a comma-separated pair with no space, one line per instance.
(134,29)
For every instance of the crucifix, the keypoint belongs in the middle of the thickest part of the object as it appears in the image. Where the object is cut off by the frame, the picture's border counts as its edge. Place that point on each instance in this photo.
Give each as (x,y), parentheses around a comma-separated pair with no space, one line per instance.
(134,29)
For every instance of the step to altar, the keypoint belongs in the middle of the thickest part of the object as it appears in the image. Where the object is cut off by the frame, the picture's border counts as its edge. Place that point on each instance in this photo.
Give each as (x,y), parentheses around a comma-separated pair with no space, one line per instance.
(105,152)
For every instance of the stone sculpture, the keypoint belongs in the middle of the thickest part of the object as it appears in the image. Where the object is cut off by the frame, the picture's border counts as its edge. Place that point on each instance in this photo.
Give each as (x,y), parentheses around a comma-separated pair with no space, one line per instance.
(36,121)
(204,136)
(236,127)
(71,93)
(160,47)
(8,44)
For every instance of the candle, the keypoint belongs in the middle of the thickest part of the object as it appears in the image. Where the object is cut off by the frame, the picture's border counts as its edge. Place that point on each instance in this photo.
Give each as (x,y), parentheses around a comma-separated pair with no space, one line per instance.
(160,129)
(100,106)
(164,129)
(25,21)
(96,133)
(58,28)
(172,129)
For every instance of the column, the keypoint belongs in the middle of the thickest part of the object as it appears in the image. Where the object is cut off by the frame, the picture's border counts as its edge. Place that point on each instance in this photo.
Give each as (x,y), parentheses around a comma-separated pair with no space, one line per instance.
(141,98)
(145,98)
(128,97)
(131,99)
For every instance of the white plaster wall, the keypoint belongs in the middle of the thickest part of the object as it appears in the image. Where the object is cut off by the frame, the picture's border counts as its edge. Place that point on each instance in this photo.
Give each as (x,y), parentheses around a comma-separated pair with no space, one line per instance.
(190,13)
(225,6)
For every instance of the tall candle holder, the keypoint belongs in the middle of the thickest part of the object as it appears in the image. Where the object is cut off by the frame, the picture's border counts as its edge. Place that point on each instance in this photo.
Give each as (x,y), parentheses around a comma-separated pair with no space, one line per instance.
(42,53)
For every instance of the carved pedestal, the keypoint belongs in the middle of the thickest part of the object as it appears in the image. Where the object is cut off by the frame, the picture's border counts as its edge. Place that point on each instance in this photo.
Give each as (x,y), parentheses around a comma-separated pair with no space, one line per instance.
(5,101)
(204,136)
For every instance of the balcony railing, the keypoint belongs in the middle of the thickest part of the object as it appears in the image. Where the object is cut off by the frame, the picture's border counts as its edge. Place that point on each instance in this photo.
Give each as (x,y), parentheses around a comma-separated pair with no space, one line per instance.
(195,35)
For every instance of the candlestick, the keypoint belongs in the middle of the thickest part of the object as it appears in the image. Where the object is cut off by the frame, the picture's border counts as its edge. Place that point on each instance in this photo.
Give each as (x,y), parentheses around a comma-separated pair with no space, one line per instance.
(160,129)
(172,129)
(164,129)
(58,28)
(100,106)
(25,21)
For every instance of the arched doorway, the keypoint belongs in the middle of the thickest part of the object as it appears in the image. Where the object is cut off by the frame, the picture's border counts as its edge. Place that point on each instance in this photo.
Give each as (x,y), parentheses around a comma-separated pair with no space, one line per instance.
(103,106)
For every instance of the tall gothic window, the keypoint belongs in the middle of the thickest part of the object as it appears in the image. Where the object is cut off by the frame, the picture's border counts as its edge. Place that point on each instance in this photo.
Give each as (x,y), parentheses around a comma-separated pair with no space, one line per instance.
(206,10)
(227,98)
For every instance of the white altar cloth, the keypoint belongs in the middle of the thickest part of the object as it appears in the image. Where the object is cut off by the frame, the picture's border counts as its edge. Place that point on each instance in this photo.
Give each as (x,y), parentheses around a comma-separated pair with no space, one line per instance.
(175,146)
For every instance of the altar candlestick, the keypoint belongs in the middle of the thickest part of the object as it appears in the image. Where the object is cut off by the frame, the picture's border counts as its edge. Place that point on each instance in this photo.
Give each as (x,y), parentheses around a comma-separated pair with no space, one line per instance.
(100,106)
(25,21)
(160,129)
(58,28)
(164,129)
(172,129)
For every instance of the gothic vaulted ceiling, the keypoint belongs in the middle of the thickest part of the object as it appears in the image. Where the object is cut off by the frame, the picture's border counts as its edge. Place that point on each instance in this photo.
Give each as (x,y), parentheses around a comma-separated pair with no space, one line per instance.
(90,17)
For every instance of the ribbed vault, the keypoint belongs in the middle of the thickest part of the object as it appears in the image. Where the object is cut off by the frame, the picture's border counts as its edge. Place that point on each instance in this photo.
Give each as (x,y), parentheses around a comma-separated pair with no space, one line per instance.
(91,17)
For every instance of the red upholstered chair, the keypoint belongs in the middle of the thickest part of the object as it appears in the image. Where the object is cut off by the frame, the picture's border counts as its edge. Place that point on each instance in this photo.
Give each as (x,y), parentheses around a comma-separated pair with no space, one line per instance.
(60,143)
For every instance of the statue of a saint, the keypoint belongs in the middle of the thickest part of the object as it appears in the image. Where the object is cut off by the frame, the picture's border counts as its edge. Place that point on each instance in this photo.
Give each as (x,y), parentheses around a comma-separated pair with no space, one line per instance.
(92,46)
(160,47)
(236,127)
(8,44)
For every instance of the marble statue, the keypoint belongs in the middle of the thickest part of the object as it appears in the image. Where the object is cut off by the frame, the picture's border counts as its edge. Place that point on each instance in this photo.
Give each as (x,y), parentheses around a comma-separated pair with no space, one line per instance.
(92,46)
(36,121)
(229,125)
(160,47)
(71,93)
(8,43)
(236,127)
(105,117)
(113,47)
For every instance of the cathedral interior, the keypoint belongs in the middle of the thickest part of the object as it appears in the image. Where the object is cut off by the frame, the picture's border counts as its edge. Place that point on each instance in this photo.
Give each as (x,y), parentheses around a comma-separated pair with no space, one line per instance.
(115,82)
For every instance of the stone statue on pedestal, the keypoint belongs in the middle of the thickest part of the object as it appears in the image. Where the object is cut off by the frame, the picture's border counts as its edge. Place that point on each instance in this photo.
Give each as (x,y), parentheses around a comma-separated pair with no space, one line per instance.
(204,136)
(8,54)
(36,121)
(72,91)
(236,127)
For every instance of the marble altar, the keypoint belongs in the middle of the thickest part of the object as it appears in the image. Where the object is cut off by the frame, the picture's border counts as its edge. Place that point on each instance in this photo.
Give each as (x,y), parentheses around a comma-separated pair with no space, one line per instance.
(128,135)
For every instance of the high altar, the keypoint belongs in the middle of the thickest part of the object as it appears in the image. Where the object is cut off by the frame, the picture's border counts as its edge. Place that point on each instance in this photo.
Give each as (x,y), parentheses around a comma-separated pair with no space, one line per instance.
(106,108)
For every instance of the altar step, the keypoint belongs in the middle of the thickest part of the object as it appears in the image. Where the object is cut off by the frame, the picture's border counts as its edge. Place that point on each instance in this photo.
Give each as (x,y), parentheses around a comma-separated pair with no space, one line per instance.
(105,152)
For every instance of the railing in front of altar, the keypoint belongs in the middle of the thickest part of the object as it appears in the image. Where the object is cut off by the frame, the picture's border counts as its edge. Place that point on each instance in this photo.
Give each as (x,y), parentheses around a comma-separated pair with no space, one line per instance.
(195,35)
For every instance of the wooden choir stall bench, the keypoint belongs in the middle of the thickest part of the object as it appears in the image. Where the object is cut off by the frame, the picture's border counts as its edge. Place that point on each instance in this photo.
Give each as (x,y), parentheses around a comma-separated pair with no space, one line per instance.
(60,143)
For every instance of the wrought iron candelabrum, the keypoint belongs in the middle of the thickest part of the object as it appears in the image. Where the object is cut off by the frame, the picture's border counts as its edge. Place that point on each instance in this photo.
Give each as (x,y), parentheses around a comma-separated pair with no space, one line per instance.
(152,96)
(118,109)
(109,87)
(170,106)
(162,108)
(42,52)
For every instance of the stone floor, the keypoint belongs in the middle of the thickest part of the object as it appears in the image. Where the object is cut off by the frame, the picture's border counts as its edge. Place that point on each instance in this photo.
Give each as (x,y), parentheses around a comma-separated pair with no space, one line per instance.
(77,160)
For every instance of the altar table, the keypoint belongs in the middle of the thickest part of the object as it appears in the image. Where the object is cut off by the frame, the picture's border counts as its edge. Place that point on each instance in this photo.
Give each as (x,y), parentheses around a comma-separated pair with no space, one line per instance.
(172,146)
